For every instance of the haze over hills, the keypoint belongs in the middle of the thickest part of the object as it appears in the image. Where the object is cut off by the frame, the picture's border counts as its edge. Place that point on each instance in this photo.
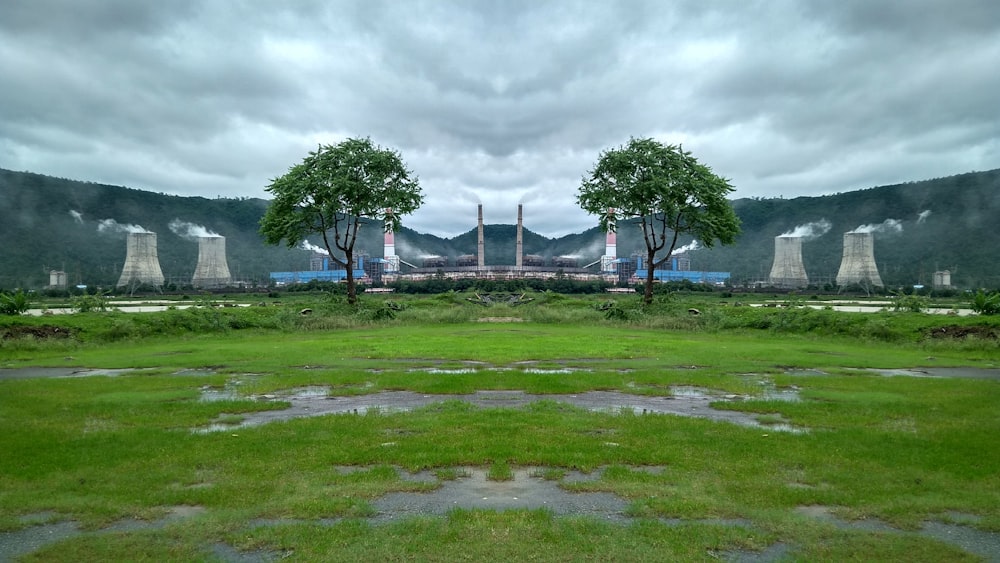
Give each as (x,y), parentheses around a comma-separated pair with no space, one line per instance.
(946,223)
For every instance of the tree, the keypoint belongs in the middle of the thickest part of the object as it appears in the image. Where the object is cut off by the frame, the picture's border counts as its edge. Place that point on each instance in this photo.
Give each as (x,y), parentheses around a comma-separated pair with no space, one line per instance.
(332,191)
(666,189)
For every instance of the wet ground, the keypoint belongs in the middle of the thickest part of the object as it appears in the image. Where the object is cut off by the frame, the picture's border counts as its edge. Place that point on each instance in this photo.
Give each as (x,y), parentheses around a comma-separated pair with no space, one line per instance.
(529,489)
(526,491)
(950,372)
(315,401)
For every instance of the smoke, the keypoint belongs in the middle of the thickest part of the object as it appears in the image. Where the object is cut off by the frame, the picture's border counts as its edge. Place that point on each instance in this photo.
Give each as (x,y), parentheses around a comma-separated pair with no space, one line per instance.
(77,216)
(112,226)
(306,245)
(923,215)
(809,231)
(189,231)
(887,226)
(686,248)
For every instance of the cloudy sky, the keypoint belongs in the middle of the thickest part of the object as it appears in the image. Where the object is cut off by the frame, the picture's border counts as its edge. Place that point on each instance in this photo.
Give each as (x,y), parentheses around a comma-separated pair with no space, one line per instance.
(499,102)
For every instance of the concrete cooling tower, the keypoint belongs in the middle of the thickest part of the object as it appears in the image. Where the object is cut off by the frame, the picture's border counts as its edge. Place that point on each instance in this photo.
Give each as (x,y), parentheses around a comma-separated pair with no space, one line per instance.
(141,262)
(212,270)
(787,270)
(858,265)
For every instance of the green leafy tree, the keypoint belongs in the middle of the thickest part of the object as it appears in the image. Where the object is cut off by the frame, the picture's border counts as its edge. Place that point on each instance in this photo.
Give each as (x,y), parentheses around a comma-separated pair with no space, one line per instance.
(667,190)
(332,191)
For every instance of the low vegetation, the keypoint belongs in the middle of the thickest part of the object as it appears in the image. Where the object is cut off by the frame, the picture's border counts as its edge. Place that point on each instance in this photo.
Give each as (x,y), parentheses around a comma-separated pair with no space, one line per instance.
(136,448)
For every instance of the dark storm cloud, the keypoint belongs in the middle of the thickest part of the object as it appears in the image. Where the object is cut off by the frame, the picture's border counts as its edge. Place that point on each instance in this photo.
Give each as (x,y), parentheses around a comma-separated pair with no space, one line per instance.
(499,102)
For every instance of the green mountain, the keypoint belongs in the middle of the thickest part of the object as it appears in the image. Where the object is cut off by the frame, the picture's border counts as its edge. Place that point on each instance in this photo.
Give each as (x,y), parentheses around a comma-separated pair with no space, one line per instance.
(50,223)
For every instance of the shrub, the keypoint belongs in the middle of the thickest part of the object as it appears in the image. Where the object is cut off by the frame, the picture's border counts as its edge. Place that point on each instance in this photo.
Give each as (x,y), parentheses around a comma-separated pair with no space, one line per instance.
(14,303)
(986,303)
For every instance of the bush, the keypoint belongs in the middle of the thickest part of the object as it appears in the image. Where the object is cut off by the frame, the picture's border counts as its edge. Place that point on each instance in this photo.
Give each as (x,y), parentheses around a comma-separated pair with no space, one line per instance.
(90,303)
(986,303)
(14,303)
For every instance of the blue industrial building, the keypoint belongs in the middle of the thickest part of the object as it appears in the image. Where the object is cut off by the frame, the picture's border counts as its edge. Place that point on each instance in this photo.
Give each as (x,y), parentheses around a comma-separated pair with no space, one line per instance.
(322,273)
(676,273)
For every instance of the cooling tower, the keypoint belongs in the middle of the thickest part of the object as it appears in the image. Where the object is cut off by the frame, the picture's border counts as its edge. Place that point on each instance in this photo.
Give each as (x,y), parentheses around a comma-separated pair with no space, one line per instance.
(212,269)
(520,239)
(481,246)
(141,262)
(858,265)
(788,270)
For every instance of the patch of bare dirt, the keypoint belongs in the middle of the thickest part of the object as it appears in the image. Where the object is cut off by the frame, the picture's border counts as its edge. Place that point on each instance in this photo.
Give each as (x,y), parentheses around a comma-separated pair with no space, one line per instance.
(39,332)
(958,332)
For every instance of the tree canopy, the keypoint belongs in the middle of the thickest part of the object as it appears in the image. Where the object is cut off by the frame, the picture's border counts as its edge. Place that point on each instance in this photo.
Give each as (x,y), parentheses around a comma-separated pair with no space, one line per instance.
(667,190)
(330,193)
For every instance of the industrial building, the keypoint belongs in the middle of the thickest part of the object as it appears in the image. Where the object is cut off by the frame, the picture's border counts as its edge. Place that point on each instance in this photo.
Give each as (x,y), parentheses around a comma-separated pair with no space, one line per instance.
(788,270)
(610,268)
(142,265)
(858,263)
(212,270)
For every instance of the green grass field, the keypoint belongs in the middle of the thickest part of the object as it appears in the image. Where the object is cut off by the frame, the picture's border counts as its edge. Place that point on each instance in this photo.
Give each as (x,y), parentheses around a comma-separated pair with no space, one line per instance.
(896,452)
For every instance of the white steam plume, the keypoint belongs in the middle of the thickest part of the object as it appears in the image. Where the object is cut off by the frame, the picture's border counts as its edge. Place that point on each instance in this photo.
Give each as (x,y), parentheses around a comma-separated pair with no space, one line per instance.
(77,216)
(189,231)
(887,226)
(306,245)
(112,226)
(686,248)
(809,231)
(923,215)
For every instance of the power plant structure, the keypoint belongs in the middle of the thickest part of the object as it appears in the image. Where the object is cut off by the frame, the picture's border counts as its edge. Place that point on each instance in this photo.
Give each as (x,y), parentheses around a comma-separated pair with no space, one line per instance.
(212,270)
(142,265)
(57,279)
(473,265)
(519,260)
(480,244)
(389,249)
(942,279)
(858,264)
(788,270)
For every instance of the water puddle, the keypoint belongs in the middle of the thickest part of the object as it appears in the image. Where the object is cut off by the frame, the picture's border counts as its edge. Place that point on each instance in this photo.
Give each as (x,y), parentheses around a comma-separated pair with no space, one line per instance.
(46,528)
(979,542)
(315,401)
(528,490)
(992,374)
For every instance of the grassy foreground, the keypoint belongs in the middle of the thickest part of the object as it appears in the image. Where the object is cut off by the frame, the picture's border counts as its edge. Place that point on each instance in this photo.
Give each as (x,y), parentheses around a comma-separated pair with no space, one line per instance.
(99,450)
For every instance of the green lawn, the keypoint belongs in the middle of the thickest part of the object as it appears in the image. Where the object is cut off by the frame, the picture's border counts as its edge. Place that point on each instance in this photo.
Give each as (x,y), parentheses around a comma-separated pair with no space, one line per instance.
(98,450)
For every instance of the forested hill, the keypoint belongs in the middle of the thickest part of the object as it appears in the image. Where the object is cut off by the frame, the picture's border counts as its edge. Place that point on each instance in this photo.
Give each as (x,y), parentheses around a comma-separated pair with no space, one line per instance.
(52,223)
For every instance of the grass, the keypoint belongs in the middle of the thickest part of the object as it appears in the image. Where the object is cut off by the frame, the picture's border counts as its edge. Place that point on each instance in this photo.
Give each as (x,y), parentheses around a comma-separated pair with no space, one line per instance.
(97,450)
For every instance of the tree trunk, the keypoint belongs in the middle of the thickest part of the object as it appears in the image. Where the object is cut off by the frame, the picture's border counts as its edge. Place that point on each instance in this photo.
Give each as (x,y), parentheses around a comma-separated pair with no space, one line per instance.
(647,295)
(352,292)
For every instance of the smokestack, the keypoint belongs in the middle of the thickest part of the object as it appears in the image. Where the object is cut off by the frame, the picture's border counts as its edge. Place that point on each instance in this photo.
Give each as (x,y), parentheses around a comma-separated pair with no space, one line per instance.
(142,265)
(788,270)
(212,269)
(858,265)
(611,245)
(481,246)
(520,238)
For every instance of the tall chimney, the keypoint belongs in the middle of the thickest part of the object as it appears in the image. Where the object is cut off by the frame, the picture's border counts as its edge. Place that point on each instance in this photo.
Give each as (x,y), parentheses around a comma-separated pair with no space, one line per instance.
(142,265)
(520,238)
(611,245)
(481,245)
(858,264)
(788,270)
(212,269)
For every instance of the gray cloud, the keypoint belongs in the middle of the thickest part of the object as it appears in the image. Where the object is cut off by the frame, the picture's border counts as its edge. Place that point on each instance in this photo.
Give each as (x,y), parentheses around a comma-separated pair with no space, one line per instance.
(500,102)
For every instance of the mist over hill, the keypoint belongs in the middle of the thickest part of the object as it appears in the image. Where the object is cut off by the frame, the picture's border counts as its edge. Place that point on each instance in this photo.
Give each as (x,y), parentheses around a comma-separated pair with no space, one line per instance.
(51,223)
